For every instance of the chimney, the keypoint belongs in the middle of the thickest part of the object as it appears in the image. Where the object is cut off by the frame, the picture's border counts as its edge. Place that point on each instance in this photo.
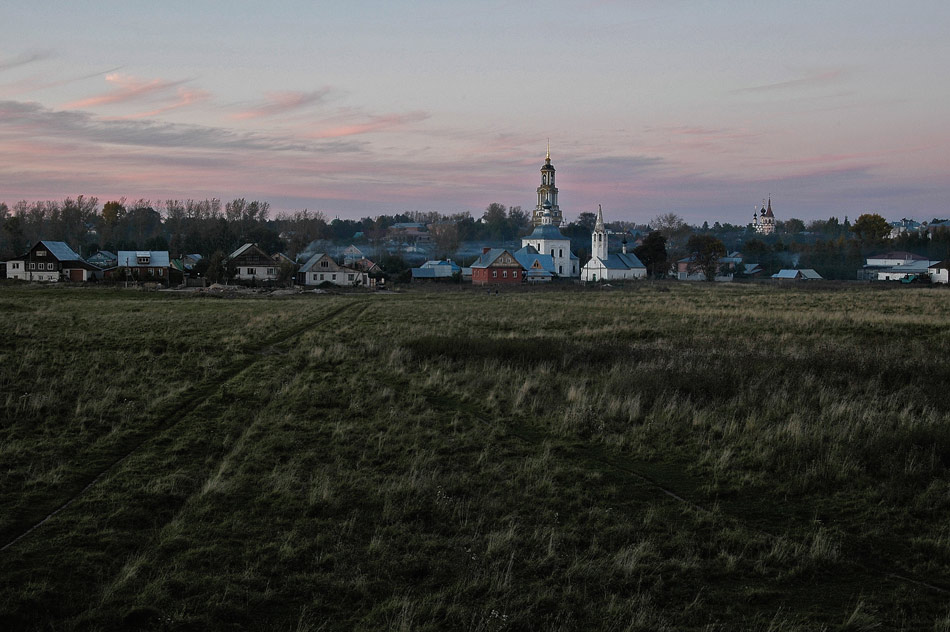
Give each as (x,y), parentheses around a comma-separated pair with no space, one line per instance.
(485,249)
(624,245)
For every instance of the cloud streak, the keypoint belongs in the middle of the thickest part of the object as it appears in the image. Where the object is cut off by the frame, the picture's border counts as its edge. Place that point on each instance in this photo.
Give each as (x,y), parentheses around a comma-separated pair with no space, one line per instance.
(127,88)
(22,60)
(373,124)
(816,79)
(282,102)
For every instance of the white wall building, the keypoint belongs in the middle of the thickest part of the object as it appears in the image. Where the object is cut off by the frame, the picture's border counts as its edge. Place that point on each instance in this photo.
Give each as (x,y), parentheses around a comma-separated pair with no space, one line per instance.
(610,267)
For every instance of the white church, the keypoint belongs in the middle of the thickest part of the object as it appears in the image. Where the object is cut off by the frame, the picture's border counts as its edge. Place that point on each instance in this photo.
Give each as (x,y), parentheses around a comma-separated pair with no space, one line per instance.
(547,238)
(609,267)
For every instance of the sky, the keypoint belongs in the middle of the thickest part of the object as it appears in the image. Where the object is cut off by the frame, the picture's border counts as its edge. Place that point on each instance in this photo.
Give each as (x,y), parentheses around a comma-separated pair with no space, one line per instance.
(364,107)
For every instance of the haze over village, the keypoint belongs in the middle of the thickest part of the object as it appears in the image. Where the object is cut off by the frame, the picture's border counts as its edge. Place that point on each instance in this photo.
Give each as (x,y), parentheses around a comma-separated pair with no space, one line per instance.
(486,316)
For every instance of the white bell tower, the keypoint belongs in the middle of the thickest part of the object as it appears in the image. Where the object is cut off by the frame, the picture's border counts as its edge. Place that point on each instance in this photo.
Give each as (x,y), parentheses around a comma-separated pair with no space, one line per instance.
(598,245)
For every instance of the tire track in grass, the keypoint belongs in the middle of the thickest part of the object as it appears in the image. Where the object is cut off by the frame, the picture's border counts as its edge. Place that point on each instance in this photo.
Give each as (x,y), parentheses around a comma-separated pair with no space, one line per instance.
(188,401)
(590,455)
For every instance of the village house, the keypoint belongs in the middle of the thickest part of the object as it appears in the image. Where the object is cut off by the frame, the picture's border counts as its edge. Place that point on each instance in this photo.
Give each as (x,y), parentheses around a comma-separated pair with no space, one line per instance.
(321,268)
(497,265)
(604,266)
(250,263)
(143,265)
(882,262)
(50,261)
(726,272)
(103,259)
(436,271)
(907,271)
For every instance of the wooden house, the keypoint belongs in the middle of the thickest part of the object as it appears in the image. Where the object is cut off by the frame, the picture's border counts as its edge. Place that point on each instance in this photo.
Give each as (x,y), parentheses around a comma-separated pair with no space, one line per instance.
(321,268)
(250,263)
(50,261)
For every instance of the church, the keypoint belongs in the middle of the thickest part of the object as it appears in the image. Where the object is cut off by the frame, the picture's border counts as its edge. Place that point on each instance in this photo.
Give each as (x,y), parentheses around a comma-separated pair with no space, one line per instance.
(546,239)
(609,267)
(764,221)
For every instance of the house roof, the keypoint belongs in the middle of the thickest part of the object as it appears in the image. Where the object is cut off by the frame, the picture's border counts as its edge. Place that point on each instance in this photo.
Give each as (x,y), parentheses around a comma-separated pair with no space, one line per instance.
(157,258)
(941,265)
(620,261)
(899,254)
(58,249)
(486,259)
(308,265)
(106,254)
(804,273)
(527,257)
(240,251)
(911,267)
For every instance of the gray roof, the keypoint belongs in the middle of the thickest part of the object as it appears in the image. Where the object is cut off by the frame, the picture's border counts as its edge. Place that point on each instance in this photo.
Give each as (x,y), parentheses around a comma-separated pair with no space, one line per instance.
(487,258)
(240,251)
(306,267)
(529,254)
(911,267)
(546,231)
(157,258)
(60,250)
(620,261)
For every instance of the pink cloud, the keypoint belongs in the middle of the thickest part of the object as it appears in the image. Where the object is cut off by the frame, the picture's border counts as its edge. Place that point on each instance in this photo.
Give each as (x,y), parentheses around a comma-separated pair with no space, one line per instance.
(127,89)
(374,124)
(819,78)
(185,98)
(281,102)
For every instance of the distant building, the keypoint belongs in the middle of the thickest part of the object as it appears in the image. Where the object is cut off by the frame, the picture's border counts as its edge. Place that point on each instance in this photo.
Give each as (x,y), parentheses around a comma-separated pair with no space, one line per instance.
(538,268)
(351,254)
(436,270)
(547,195)
(604,266)
(548,240)
(143,264)
(250,263)
(103,259)
(497,265)
(321,268)
(763,221)
(903,227)
(805,274)
(885,261)
(50,261)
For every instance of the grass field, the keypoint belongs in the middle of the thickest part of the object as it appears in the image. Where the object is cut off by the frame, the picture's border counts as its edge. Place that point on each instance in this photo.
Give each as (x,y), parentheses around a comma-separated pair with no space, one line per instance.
(660,457)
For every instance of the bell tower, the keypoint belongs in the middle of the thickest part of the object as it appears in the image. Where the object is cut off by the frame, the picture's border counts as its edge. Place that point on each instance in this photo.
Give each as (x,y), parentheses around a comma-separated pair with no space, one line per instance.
(598,239)
(547,193)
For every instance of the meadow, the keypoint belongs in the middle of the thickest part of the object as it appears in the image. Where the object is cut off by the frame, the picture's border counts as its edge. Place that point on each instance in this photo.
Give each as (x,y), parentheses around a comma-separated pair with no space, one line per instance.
(652,457)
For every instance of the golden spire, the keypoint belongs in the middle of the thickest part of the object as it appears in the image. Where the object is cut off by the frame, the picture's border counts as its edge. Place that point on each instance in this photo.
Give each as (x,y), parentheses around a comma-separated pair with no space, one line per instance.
(548,156)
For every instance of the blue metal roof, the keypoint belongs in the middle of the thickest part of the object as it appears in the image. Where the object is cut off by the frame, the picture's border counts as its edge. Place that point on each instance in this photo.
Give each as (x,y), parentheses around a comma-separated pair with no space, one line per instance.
(546,231)
(157,258)
(528,255)
(622,261)
(60,250)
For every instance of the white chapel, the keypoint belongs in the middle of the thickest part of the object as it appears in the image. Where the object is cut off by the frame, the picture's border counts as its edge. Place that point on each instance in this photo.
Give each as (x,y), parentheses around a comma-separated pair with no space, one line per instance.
(609,267)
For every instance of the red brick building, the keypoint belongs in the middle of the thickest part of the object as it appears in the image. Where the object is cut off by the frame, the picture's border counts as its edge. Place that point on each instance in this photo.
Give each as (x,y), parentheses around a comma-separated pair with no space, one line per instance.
(497,265)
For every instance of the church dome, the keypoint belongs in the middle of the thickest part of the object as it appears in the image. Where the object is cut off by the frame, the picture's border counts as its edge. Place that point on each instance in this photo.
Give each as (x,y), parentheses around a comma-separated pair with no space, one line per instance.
(546,231)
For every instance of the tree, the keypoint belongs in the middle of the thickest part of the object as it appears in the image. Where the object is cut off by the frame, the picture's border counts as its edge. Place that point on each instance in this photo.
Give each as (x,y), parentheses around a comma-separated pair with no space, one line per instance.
(705,251)
(216,267)
(652,253)
(588,220)
(871,227)
(445,235)
(793,226)
(670,225)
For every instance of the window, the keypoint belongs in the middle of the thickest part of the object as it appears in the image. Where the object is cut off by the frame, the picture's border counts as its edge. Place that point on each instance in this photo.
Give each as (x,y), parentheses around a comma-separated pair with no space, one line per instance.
(334,277)
(324,264)
(31,266)
(560,252)
(142,261)
(349,277)
(16,266)
(552,252)
(560,269)
(494,274)
(49,266)
(270,271)
(321,277)
(40,253)
(161,272)
(504,274)
(251,271)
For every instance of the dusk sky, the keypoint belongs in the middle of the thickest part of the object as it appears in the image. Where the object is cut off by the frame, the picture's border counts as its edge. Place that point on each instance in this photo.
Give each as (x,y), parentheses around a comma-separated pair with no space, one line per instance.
(359,108)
